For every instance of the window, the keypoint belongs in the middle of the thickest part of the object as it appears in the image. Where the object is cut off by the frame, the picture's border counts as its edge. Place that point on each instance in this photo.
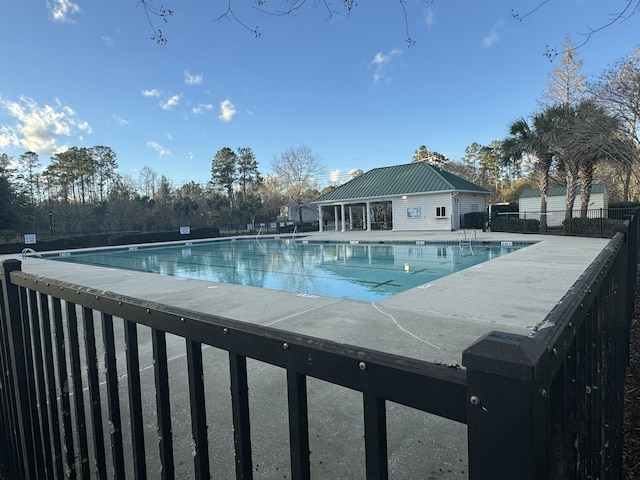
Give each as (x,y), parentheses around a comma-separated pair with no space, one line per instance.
(440,212)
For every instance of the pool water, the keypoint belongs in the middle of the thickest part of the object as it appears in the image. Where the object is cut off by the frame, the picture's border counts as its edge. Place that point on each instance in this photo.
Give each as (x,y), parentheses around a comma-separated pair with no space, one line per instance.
(358,271)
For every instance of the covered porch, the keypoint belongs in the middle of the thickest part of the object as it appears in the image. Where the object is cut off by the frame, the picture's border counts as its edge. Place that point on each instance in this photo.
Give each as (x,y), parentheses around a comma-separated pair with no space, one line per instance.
(366,215)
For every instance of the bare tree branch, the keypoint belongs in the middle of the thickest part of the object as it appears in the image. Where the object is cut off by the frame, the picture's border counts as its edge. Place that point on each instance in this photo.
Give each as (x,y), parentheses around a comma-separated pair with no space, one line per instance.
(161,12)
(632,7)
(290,9)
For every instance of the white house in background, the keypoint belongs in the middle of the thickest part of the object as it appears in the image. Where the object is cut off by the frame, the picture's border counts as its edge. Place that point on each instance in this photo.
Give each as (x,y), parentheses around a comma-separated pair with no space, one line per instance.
(529,204)
(414,196)
(292,212)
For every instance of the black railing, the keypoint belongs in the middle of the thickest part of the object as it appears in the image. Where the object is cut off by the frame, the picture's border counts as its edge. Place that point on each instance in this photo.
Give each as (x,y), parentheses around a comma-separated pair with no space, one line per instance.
(34,304)
(548,405)
(599,222)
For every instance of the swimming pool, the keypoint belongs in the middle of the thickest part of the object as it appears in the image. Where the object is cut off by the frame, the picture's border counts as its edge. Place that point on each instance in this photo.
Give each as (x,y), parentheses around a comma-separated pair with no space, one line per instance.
(354,270)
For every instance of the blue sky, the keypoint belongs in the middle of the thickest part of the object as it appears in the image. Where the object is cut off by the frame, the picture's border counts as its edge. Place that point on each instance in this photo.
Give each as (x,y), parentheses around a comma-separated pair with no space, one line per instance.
(86,73)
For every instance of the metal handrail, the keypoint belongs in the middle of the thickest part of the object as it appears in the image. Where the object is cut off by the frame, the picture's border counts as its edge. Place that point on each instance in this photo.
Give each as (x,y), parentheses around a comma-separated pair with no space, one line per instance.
(30,251)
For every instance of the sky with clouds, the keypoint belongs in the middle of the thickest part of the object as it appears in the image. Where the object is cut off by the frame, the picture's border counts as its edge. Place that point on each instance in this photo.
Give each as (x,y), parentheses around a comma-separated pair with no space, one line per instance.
(347,85)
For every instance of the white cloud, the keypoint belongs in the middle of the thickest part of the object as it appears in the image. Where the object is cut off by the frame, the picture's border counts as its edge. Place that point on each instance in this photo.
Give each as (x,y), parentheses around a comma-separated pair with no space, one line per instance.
(108,41)
(335,177)
(381,61)
(61,10)
(162,152)
(39,128)
(202,108)
(170,102)
(121,121)
(227,111)
(151,93)
(493,37)
(192,79)
(429,17)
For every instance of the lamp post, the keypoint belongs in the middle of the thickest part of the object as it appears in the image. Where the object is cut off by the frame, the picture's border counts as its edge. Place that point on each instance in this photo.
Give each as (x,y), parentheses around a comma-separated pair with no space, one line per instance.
(202,219)
(51,225)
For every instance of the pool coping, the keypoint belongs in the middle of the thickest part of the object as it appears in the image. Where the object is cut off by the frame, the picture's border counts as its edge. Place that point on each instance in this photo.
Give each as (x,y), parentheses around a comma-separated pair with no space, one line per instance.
(303,239)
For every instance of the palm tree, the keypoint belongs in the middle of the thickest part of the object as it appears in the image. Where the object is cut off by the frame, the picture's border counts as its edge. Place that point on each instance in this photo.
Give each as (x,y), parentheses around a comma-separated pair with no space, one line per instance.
(537,139)
(588,134)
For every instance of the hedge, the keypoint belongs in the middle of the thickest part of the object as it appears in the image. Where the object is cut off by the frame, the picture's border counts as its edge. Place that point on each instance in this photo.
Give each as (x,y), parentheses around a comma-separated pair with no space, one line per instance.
(590,227)
(104,239)
(514,224)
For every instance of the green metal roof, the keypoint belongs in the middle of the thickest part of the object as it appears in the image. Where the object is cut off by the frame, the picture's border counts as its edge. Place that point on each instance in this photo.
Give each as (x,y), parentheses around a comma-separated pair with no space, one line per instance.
(559,191)
(412,178)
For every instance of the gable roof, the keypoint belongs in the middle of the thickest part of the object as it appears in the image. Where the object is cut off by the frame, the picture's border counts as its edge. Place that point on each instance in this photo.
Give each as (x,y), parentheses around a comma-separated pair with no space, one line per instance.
(559,191)
(418,177)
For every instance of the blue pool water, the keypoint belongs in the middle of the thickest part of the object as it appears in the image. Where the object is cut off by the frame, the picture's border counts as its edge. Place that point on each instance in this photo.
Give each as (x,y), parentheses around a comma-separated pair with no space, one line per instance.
(358,271)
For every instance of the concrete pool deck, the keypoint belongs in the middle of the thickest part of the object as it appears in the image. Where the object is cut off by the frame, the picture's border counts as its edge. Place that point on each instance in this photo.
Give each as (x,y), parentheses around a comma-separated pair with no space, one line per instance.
(435,322)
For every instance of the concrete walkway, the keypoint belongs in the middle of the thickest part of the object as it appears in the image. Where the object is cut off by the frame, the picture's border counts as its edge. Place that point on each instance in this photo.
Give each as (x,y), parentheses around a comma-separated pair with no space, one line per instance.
(435,322)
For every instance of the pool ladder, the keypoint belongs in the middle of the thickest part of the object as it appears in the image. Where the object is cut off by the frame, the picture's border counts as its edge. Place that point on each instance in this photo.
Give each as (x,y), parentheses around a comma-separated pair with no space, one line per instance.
(26,252)
(465,241)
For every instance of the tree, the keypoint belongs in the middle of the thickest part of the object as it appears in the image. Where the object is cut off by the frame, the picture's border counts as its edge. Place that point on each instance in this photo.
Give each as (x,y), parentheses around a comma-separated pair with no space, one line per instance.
(8,197)
(165,191)
(28,176)
(565,90)
(148,182)
(462,170)
(589,134)
(537,139)
(106,169)
(72,173)
(618,90)
(513,193)
(423,154)
(482,166)
(252,205)
(224,172)
(567,85)
(123,188)
(270,191)
(8,215)
(248,174)
(296,170)
(185,205)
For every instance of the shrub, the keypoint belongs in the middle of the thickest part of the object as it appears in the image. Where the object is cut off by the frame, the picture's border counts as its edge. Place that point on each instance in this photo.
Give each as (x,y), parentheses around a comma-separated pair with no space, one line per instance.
(514,224)
(166,236)
(590,227)
(474,220)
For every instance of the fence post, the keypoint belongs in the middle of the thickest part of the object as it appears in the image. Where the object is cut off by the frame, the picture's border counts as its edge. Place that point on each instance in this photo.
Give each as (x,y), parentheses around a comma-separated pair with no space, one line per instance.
(18,361)
(507,409)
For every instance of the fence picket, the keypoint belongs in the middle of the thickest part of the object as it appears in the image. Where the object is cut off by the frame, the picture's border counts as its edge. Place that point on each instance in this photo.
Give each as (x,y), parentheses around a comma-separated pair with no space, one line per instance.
(546,405)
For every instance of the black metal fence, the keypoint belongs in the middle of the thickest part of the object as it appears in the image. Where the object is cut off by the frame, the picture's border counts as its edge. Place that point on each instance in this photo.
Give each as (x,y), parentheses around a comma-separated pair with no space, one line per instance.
(543,406)
(599,222)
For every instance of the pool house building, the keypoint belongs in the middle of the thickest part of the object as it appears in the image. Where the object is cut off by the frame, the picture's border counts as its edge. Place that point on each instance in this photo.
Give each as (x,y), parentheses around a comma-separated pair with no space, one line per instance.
(414,196)
(530,203)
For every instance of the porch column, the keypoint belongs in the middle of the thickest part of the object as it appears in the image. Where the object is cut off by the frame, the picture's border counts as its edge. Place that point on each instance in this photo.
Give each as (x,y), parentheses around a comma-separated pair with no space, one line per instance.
(320,222)
(350,217)
(368,217)
(343,216)
(364,216)
(335,217)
